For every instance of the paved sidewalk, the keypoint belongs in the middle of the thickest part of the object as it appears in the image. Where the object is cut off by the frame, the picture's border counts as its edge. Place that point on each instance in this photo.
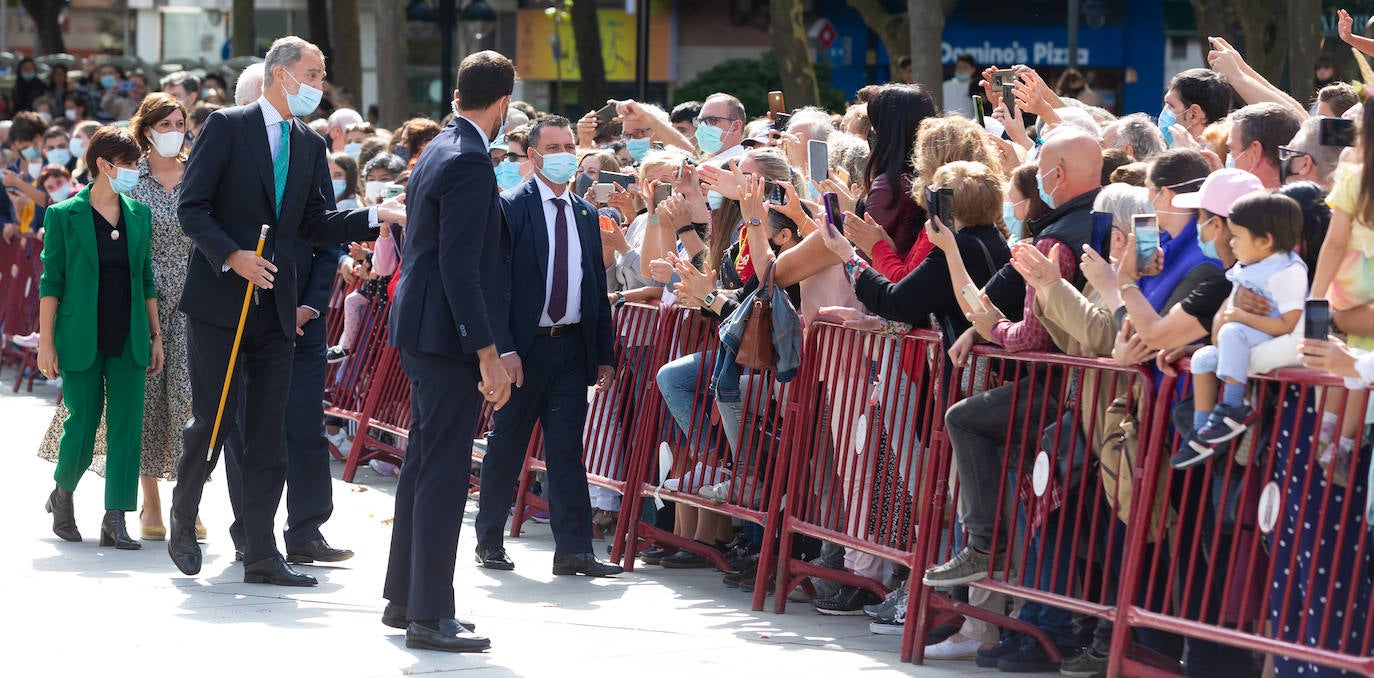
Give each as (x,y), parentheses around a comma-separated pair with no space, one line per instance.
(82,610)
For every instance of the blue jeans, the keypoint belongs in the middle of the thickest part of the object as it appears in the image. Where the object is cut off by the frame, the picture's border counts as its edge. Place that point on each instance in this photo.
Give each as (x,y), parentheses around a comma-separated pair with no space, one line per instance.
(685,385)
(1230,358)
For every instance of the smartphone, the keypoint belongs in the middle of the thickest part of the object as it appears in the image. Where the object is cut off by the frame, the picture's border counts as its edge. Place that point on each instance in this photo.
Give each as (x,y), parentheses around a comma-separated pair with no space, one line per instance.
(970,295)
(781,121)
(833,215)
(1006,79)
(940,203)
(1336,131)
(584,183)
(1317,320)
(842,175)
(606,115)
(662,192)
(686,162)
(126,85)
(603,193)
(1146,228)
(774,193)
(615,177)
(818,159)
(978,110)
(392,189)
(775,104)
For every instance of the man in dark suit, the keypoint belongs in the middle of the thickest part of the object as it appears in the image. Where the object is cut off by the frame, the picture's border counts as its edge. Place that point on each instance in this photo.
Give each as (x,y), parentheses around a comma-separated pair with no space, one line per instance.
(557,343)
(452,294)
(253,165)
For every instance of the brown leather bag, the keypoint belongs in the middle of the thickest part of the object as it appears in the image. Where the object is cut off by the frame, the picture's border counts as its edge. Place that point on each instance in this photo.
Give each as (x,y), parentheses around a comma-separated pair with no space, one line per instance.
(756,348)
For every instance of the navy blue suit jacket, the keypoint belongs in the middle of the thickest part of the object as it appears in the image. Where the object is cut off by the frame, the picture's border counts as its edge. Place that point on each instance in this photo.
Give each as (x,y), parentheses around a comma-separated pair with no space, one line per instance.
(529,254)
(453,289)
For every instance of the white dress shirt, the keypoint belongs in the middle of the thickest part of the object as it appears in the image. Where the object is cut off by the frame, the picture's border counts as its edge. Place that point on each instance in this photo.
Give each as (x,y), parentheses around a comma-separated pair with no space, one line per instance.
(480,131)
(574,307)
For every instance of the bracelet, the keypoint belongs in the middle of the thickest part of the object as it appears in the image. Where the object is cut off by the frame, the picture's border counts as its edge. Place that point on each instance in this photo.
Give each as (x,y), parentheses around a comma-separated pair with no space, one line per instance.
(688,227)
(1122,290)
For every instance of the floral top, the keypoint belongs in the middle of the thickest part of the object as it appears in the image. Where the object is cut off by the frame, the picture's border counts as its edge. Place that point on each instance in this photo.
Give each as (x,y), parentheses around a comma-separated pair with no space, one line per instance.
(170,243)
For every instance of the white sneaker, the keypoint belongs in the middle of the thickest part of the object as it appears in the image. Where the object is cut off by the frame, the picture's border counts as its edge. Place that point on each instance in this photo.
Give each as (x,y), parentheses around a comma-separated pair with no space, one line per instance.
(701,476)
(26,341)
(385,468)
(340,441)
(954,647)
(887,628)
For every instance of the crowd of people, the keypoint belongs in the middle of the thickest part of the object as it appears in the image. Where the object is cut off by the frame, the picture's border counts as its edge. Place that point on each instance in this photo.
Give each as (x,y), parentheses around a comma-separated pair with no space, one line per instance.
(1205,232)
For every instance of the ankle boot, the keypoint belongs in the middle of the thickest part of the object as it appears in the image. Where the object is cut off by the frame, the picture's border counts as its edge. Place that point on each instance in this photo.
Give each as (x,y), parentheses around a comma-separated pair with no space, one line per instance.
(63,515)
(113,532)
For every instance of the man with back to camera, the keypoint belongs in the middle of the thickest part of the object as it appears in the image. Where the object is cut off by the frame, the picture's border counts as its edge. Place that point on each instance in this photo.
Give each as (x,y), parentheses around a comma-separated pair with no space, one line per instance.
(444,319)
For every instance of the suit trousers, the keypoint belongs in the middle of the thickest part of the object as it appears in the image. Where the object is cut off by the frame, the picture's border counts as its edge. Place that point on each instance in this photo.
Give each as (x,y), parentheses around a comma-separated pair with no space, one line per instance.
(309,485)
(431,493)
(116,385)
(263,374)
(555,395)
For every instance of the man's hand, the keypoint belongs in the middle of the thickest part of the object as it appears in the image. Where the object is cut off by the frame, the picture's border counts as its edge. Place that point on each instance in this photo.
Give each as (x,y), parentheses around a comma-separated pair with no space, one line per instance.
(10,178)
(586,130)
(1252,302)
(1130,349)
(1165,360)
(605,374)
(156,358)
(393,210)
(303,315)
(963,346)
(514,368)
(252,268)
(496,381)
(1038,270)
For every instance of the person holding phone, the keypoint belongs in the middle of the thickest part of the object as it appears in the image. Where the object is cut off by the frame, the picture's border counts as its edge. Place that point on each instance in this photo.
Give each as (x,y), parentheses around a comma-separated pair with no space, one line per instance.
(123,100)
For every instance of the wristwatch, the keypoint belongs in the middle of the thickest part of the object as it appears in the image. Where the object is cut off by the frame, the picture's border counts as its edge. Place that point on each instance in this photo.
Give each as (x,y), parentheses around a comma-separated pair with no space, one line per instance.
(619,299)
(755,221)
(710,298)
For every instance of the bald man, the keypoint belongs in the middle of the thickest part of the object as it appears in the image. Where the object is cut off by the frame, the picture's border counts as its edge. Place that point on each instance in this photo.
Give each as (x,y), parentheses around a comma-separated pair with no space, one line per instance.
(1070,169)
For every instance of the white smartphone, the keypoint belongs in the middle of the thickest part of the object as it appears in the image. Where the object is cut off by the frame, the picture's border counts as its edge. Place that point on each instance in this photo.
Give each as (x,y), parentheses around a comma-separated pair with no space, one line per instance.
(603,192)
(970,295)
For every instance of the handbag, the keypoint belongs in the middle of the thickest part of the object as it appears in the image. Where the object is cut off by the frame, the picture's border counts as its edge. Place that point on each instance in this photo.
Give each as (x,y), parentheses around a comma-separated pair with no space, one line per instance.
(756,347)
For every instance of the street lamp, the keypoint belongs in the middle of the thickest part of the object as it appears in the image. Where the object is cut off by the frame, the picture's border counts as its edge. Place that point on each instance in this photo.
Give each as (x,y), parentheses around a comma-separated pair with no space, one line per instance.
(478,20)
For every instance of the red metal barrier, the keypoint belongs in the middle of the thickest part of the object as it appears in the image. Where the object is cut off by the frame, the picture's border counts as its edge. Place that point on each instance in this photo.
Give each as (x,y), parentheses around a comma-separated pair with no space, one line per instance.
(1265,554)
(21,266)
(1057,502)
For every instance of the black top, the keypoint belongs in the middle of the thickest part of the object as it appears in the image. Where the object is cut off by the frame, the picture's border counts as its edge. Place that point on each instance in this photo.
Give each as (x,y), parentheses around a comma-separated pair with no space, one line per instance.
(1201,294)
(115,296)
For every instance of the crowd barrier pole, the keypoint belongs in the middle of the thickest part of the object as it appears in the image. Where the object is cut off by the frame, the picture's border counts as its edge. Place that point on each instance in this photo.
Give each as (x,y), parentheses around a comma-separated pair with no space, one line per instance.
(333,328)
(21,266)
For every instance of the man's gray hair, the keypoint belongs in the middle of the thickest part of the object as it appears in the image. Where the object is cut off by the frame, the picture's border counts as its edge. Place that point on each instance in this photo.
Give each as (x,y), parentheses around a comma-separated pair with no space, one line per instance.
(343,117)
(183,79)
(248,87)
(1141,134)
(813,121)
(285,52)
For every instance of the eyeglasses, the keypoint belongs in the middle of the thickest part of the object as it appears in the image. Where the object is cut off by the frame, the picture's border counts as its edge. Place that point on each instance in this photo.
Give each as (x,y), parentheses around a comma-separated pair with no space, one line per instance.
(641,134)
(713,120)
(515,157)
(1286,154)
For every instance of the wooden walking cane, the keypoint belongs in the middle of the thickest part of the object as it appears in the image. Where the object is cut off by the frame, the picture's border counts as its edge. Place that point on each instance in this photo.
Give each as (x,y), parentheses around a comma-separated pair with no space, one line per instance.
(234,352)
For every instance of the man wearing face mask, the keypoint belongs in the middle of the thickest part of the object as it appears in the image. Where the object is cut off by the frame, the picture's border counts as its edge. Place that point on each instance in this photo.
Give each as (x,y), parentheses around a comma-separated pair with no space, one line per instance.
(253,165)
(720,129)
(1305,159)
(1256,133)
(958,100)
(1196,98)
(26,139)
(339,122)
(184,87)
(451,300)
(557,343)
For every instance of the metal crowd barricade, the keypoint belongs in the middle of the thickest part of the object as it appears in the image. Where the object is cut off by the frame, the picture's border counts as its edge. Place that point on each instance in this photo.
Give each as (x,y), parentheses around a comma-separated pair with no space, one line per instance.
(334,324)
(21,267)
(611,428)
(1060,497)
(367,383)
(1264,554)
(857,454)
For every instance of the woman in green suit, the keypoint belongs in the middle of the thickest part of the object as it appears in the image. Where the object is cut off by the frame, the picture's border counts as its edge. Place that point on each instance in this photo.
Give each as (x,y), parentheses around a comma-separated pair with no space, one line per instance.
(99,327)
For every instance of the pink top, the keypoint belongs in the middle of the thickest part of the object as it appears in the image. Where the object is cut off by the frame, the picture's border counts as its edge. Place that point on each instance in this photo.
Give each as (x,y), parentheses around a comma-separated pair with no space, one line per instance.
(384,258)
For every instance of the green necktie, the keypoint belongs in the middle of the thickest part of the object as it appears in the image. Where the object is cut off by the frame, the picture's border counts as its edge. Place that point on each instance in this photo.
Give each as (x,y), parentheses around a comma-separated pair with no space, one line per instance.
(283,160)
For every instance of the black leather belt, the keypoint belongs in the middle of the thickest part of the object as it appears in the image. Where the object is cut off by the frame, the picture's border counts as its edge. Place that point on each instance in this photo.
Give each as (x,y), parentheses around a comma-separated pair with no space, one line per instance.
(557,330)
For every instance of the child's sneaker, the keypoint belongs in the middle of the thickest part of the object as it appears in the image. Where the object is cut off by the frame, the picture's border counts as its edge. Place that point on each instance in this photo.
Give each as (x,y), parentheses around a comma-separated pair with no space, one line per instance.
(336,354)
(1226,423)
(1191,453)
(1335,460)
(385,468)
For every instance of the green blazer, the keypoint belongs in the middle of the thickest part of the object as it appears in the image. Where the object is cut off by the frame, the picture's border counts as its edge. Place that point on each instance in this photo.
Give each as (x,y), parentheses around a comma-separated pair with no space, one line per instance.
(71,273)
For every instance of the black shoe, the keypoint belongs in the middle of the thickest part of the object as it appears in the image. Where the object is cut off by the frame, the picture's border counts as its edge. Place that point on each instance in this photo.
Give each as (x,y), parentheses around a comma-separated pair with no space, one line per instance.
(494,559)
(655,554)
(685,560)
(1009,644)
(182,546)
(848,601)
(274,570)
(238,555)
(584,563)
(63,515)
(423,637)
(336,354)
(1031,658)
(317,550)
(395,616)
(114,533)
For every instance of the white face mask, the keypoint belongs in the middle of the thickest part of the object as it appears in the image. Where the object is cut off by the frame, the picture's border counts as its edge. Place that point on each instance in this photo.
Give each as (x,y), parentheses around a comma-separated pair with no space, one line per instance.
(373,189)
(168,144)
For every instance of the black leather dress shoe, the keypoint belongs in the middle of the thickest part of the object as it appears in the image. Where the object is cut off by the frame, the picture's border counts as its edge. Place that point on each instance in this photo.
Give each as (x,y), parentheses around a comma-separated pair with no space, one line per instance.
(395,616)
(274,570)
(584,563)
(113,532)
(238,555)
(182,546)
(317,550)
(494,559)
(422,637)
(63,515)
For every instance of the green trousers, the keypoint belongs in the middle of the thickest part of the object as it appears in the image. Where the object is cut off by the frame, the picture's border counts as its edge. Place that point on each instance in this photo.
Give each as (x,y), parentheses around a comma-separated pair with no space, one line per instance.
(115,385)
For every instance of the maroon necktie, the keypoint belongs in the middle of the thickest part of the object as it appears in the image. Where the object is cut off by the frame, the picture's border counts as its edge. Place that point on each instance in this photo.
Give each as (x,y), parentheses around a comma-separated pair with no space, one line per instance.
(558,295)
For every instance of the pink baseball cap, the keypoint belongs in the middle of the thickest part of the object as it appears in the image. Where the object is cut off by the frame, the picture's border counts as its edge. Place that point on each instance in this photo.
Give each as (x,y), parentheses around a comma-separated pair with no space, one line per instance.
(1221,190)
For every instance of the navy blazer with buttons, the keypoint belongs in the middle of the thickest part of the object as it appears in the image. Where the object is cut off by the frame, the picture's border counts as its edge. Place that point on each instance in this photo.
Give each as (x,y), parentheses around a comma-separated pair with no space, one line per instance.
(529,253)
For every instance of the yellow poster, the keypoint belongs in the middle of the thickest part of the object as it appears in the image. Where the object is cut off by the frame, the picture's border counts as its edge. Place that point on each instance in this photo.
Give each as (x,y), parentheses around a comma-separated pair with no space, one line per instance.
(536,46)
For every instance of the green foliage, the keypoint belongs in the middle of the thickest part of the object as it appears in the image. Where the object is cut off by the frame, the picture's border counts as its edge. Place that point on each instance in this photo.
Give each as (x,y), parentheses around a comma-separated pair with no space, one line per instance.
(751,80)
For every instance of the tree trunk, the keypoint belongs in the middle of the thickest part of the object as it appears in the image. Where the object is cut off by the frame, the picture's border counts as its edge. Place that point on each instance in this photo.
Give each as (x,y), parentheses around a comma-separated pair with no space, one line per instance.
(346,66)
(927,30)
(244,39)
(1266,37)
(794,54)
(45,15)
(391,62)
(317,22)
(591,92)
(1304,42)
(893,29)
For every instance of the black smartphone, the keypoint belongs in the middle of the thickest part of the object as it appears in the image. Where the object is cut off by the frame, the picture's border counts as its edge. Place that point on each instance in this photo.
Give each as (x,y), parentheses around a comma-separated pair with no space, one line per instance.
(1317,320)
(940,203)
(661,193)
(1336,131)
(834,216)
(774,193)
(781,121)
(1006,79)
(584,184)
(606,115)
(616,177)
(818,159)
(978,110)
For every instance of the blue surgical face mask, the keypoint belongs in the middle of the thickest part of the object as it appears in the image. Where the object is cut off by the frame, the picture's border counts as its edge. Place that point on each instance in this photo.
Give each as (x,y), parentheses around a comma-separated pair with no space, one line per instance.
(1009,218)
(1040,184)
(1167,119)
(77,146)
(709,138)
(31,153)
(124,180)
(962,77)
(1231,159)
(60,193)
(60,156)
(107,81)
(559,168)
(28,76)
(354,149)
(340,186)
(499,136)
(638,148)
(508,174)
(1208,248)
(713,199)
(305,100)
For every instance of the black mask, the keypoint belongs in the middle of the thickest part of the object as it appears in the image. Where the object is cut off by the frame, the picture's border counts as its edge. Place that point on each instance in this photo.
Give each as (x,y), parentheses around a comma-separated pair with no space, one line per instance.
(403,153)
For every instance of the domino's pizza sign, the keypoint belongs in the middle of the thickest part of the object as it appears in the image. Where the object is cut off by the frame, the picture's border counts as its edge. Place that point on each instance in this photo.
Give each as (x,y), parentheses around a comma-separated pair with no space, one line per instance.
(1005,46)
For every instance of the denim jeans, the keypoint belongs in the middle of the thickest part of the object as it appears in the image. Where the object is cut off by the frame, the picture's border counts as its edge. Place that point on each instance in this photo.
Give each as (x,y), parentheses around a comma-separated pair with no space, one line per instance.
(684,384)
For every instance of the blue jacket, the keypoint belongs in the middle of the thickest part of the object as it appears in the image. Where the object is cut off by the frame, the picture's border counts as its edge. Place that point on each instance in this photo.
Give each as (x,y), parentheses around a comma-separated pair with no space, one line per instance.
(787,338)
